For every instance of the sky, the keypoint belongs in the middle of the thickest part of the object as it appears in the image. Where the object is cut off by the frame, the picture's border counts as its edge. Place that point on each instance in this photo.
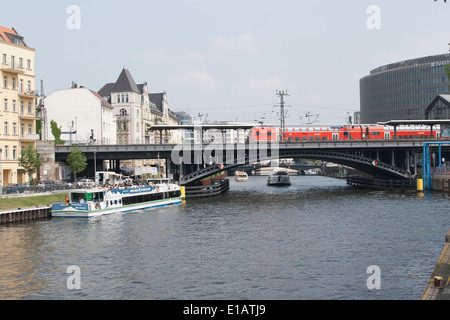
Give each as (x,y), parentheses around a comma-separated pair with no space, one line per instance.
(226,60)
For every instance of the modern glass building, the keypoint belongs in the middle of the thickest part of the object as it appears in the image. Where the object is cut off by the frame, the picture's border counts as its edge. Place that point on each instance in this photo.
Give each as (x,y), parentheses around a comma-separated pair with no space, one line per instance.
(403,90)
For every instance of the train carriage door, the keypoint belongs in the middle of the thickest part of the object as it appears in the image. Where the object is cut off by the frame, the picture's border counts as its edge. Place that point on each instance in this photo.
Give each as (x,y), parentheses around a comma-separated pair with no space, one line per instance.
(335,136)
(387,135)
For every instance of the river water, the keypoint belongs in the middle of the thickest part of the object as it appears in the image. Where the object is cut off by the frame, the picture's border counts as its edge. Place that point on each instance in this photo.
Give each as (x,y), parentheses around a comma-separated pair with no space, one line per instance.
(312,240)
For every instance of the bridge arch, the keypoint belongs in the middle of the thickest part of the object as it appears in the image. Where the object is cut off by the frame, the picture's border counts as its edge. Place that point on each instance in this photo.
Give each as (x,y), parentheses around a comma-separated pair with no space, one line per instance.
(362,163)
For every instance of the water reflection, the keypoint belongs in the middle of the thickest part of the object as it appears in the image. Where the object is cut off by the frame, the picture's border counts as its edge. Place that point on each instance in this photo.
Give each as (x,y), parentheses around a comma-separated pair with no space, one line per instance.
(312,240)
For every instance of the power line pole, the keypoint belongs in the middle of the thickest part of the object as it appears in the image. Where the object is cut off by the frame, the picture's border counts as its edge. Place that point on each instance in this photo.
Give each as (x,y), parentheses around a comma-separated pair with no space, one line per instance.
(44,125)
(281,94)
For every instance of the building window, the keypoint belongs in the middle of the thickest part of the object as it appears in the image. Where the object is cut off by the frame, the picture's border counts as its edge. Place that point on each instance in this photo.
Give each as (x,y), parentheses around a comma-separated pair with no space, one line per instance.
(29,107)
(29,64)
(118,98)
(20,62)
(21,108)
(5,104)
(29,86)
(21,131)
(13,83)
(21,86)
(126,98)
(4,58)
(14,106)
(14,128)
(5,127)
(6,153)
(124,126)
(29,128)
(5,81)
(14,155)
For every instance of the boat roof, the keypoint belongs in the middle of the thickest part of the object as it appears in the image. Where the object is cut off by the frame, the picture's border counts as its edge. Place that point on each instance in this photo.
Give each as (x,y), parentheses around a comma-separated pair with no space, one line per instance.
(88,190)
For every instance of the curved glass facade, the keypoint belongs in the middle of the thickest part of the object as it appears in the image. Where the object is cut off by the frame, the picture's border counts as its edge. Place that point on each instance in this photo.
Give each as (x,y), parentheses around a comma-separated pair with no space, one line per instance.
(403,90)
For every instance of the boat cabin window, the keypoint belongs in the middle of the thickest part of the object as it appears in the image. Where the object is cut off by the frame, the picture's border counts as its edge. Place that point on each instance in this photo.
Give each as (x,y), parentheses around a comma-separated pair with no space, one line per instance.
(85,197)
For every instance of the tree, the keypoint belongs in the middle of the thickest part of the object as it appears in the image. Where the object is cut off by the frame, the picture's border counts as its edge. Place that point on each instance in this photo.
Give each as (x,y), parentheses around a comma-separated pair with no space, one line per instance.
(30,161)
(56,132)
(77,161)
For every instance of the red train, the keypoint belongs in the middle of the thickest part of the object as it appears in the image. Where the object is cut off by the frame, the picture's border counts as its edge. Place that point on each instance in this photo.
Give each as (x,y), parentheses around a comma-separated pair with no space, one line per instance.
(353,132)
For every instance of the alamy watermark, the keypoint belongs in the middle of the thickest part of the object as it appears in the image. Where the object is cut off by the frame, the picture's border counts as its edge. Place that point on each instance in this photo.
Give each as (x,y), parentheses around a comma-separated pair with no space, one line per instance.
(218,151)
(374,20)
(374,280)
(73,21)
(74,280)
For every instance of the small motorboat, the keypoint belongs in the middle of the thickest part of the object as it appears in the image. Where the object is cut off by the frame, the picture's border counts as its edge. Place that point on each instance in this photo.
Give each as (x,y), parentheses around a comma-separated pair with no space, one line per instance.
(240,176)
(279,178)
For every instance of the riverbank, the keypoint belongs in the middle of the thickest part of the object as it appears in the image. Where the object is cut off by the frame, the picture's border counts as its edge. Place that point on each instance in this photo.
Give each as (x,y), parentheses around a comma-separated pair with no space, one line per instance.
(437,288)
(15,202)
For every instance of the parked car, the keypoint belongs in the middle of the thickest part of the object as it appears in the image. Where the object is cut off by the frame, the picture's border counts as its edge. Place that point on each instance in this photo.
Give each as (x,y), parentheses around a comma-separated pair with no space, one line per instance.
(49,185)
(86,183)
(14,188)
(62,185)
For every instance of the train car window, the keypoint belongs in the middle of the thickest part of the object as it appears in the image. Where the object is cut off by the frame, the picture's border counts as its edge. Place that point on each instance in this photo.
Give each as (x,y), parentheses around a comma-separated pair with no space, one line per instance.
(297,139)
(304,139)
(290,139)
(269,133)
(324,138)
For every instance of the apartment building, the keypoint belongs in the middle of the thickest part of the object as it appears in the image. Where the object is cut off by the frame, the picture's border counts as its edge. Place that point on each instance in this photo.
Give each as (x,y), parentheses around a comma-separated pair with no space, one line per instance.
(83,116)
(136,109)
(17,104)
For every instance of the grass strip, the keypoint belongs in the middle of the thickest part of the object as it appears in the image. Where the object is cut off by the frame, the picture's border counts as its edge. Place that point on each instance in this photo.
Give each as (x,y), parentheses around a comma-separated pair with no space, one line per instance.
(30,201)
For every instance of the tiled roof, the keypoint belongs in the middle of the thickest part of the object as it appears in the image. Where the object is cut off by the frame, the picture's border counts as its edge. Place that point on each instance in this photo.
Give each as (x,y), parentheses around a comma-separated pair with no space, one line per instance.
(103,101)
(125,83)
(157,99)
(9,35)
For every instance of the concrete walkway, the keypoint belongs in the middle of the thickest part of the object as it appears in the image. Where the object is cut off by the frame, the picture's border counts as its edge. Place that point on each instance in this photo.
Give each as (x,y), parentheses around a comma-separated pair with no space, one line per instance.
(438,287)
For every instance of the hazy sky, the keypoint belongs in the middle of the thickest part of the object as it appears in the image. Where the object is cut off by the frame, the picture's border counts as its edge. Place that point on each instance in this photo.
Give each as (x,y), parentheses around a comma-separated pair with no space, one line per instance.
(227,58)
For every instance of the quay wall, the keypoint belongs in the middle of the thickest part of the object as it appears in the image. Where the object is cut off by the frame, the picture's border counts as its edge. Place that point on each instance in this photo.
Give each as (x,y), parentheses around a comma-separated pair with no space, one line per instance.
(23,215)
(438,285)
(436,181)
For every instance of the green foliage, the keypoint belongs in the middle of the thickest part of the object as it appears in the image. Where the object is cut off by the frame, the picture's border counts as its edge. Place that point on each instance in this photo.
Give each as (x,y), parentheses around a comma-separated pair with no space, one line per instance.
(30,160)
(56,132)
(77,160)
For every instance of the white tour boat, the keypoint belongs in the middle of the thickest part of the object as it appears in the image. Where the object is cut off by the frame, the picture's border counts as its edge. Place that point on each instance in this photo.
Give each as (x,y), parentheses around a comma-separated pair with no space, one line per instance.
(240,176)
(87,203)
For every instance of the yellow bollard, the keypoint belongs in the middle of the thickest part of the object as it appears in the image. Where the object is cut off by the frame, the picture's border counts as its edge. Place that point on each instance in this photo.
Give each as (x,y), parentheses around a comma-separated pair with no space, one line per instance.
(183,192)
(419,184)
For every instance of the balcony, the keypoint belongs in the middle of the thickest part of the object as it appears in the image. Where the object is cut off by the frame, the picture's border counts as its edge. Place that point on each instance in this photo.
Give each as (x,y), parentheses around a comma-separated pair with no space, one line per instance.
(28,94)
(12,68)
(28,116)
(29,137)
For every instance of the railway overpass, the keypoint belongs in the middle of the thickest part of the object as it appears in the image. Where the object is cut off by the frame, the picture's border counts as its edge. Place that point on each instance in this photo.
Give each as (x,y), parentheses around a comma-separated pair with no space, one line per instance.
(389,159)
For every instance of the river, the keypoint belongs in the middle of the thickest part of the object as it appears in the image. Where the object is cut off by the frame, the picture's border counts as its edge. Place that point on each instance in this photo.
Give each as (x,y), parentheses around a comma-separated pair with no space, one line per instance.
(313,240)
